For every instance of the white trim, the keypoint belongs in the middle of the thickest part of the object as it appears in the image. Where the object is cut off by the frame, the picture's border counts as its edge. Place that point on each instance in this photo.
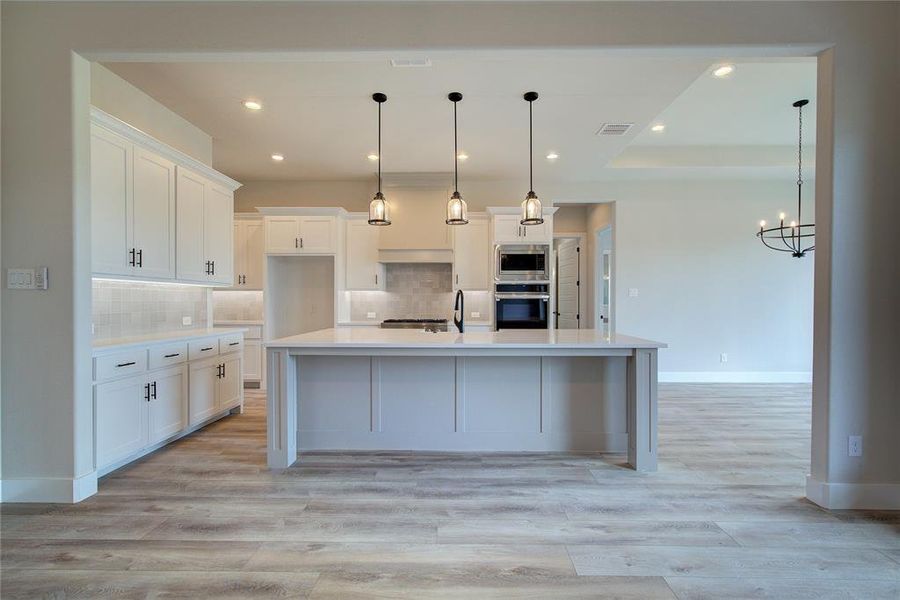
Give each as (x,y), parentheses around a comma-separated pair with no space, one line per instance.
(514,210)
(301,211)
(50,489)
(857,496)
(132,133)
(735,376)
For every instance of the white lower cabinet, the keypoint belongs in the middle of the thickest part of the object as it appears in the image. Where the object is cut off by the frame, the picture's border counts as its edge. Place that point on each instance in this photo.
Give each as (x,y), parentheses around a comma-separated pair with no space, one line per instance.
(216,385)
(139,411)
(231,384)
(252,360)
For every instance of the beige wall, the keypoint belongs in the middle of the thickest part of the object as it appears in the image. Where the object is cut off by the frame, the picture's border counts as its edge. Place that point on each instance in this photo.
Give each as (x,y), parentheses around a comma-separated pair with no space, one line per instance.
(46,208)
(112,94)
(569,219)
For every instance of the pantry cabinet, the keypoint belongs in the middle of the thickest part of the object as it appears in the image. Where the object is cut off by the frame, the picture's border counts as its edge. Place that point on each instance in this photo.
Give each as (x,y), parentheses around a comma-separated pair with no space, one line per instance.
(364,272)
(156,213)
(472,254)
(249,252)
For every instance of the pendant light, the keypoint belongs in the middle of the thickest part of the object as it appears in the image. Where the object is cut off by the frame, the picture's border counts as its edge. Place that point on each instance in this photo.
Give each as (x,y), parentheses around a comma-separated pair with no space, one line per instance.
(532,213)
(379,211)
(797,237)
(457,212)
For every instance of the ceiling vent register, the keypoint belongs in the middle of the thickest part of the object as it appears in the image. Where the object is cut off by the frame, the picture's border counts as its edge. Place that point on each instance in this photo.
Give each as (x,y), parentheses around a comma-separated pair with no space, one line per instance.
(615,128)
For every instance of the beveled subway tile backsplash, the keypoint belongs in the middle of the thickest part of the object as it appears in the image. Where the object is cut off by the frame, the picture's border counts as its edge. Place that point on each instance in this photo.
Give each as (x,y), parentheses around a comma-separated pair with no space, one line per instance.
(125,308)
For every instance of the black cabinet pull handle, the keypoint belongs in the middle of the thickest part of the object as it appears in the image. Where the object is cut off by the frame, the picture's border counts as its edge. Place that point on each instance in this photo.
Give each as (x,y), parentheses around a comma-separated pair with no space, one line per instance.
(223,369)
(233,343)
(172,355)
(131,262)
(147,392)
(213,263)
(296,242)
(301,242)
(140,258)
(128,364)
(154,390)
(205,349)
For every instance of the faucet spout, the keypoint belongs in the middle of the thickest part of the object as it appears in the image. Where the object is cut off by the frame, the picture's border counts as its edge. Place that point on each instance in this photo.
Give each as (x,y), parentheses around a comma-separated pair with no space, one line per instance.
(459,306)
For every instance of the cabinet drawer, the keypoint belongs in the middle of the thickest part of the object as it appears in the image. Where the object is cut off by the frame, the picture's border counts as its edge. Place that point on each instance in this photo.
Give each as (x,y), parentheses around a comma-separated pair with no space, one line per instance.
(231,343)
(170,354)
(129,362)
(203,348)
(254,332)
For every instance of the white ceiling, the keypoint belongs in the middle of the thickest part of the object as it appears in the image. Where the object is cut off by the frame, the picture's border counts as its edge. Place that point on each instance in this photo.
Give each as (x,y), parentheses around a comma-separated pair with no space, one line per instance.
(321,117)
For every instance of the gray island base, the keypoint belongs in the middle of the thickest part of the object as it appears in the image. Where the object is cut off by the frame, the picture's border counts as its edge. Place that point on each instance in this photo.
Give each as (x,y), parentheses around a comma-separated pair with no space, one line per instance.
(365,389)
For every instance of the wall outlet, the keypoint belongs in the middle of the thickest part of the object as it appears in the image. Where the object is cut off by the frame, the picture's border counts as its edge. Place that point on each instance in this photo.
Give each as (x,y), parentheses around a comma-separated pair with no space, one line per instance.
(186,320)
(371,315)
(854,445)
(476,315)
(632,292)
(723,358)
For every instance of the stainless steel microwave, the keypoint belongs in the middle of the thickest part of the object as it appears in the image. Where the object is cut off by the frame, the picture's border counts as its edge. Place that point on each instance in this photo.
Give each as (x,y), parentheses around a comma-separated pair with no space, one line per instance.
(522,262)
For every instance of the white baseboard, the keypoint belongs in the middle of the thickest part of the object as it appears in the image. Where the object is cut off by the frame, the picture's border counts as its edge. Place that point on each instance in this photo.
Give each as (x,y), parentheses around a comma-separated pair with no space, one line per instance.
(735,376)
(49,489)
(858,496)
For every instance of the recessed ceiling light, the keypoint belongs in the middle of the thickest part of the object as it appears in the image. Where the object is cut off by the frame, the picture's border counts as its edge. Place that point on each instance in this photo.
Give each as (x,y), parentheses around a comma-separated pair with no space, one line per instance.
(278,157)
(373,157)
(252,105)
(462,156)
(552,156)
(724,71)
(659,127)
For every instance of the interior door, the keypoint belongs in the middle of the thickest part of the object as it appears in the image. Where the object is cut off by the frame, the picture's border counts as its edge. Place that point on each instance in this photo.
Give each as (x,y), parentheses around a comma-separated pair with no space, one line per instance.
(203,386)
(121,419)
(154,214)
(568,285)
(190,255)
(283,235)
(317,235)
(111,202)
(218,232)
(168,403)
(230,384)
(254,254)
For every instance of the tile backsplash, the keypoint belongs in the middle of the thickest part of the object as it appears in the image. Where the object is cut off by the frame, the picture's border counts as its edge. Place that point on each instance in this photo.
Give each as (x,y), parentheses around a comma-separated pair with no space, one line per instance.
(416,291)
(237,305)
(124,308)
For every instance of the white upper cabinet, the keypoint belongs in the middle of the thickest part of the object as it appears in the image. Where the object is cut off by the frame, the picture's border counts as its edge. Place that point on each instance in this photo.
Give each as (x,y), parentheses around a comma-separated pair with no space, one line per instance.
(249,253)
(364,272)
(142,193)
(292,234)
(472,254)
(132,209)
(509,230)
(205,230)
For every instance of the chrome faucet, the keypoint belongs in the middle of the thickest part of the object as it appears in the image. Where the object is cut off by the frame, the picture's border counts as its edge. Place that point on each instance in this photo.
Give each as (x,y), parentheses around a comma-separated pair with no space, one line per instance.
(459,306)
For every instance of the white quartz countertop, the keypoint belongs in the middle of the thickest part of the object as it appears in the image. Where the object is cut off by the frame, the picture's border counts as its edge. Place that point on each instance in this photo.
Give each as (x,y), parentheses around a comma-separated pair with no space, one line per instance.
(371,337)
(122,343)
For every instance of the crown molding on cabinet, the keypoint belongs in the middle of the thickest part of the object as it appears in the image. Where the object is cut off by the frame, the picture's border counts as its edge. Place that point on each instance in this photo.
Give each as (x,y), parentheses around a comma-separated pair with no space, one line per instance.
(302,211)
(137,136)
(515,210)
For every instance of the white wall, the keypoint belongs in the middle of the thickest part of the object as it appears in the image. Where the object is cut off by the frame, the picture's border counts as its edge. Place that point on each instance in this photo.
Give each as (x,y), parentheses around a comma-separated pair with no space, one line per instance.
(46,207)
(707,286)
(112,94)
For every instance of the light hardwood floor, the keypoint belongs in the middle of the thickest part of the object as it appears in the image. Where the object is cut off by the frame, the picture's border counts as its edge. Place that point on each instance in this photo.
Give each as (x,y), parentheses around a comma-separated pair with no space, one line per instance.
(724,517)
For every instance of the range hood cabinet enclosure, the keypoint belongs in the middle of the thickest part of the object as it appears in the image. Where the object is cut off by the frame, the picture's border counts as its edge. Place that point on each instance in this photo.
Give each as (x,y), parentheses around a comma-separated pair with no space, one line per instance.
(418,233)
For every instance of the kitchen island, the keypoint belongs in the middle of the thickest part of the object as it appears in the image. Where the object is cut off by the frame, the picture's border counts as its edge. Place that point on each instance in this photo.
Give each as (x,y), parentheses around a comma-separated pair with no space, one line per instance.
(512,391)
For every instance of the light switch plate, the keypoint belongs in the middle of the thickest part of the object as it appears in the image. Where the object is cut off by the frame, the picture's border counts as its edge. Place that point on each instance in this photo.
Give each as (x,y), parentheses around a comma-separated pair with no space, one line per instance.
(476,315)
(370,315)
(633,292)
(186,320)
(27,279)
(854,445)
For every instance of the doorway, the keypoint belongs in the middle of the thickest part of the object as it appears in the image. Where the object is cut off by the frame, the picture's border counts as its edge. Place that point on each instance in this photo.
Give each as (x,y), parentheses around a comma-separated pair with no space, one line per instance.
(603,292)
(567,263)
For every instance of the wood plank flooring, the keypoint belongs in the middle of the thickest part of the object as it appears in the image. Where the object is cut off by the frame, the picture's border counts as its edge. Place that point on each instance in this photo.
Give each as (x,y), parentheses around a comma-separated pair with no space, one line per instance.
(724,517)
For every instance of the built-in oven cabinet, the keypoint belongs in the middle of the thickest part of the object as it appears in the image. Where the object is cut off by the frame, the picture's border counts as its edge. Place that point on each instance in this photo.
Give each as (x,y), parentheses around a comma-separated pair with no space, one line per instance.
(509,230)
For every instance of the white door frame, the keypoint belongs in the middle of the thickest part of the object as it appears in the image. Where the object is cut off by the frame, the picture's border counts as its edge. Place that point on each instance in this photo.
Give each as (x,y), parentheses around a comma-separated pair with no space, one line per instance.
(582,301)
(598,278)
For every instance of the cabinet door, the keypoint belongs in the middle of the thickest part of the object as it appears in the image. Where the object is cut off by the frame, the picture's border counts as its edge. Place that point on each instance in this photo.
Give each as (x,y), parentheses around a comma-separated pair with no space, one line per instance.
(472,256)
(317,235)
(154,215)
(507,229)
(203,386)
(120,411)
(111,202)
(240,253)
(190,255)
(218,232)
(254,255)
(364,272)
(252,360)
(168,404)
(230,385)
(543,233)
(282,235)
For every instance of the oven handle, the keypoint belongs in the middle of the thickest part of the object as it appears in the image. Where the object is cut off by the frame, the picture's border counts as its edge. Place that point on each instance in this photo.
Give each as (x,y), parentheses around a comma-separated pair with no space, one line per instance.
(520,296)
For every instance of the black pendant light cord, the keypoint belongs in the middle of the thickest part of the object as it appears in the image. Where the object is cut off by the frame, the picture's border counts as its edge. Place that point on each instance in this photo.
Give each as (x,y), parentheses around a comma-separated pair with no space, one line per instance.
(379,147)
(455,153)
(530,145)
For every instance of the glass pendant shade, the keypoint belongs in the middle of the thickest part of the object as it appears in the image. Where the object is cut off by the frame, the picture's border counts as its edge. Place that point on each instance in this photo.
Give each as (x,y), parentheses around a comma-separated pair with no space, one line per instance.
(457,211)
(379,211)
(532,213)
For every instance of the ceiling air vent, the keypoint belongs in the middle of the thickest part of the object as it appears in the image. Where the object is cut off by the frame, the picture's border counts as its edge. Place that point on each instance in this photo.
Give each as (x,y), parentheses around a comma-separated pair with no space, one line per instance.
(410,63)
(614,128)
